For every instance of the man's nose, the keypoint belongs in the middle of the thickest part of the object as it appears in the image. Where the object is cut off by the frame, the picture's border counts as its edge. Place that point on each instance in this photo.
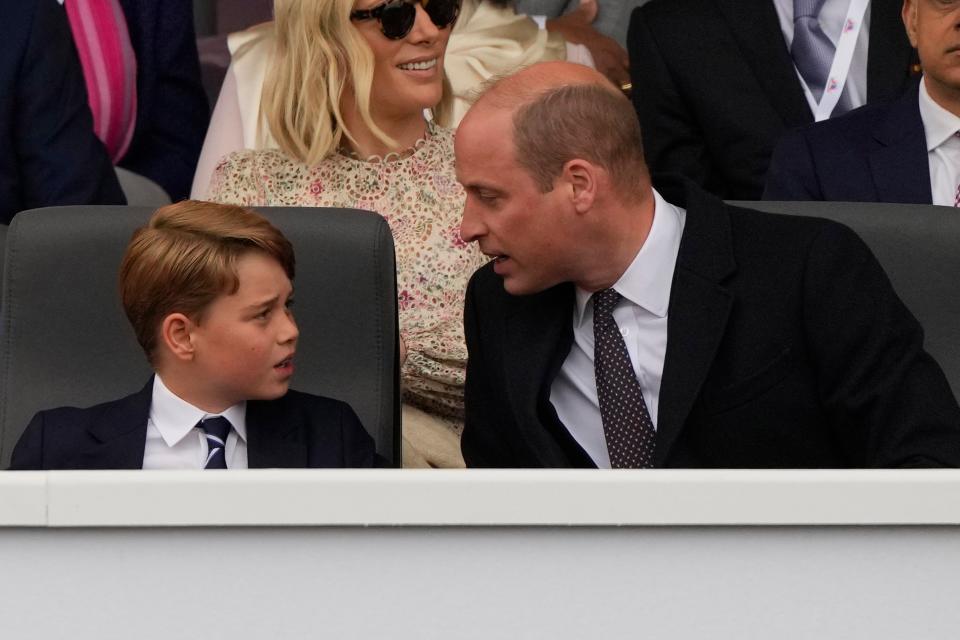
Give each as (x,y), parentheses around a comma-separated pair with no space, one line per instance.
(471,229)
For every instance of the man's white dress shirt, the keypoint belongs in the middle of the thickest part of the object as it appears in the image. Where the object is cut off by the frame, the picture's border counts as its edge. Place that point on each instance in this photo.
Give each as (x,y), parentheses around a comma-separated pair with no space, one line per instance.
(642,318)
(943,148)
(174,441)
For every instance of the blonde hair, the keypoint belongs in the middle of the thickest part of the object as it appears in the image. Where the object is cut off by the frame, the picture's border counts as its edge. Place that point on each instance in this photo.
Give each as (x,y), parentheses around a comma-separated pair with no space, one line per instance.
(317,53)
(186,256)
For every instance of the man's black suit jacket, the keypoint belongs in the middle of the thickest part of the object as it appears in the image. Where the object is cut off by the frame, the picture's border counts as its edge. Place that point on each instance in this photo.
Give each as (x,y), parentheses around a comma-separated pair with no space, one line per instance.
(299,430)
(172,108)
(877,153)
(787,347)
(715,87)
(49,154)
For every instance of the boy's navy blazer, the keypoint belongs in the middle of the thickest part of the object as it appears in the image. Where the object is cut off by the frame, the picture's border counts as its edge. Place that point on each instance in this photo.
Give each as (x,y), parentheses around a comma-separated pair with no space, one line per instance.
(299,430)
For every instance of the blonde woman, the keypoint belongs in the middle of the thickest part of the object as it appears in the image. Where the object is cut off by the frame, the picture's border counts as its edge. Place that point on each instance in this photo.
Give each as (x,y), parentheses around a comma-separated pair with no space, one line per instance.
(344,97)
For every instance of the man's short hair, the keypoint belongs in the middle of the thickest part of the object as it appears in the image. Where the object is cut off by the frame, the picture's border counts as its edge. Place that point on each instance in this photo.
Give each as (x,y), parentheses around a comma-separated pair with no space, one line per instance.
(585,121)
(186,256)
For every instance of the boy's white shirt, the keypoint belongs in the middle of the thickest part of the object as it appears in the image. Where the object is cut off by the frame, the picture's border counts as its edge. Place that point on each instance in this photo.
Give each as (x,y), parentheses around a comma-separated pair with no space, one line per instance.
(175,442)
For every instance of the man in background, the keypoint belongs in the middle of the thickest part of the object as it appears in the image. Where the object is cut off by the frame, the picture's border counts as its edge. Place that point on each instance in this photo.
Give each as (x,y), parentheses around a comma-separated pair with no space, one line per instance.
(717,82)
(49,154)
(906,150)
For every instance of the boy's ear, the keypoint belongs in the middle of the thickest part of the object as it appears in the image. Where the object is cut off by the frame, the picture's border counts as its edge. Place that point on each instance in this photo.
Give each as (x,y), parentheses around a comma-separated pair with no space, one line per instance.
(176,335)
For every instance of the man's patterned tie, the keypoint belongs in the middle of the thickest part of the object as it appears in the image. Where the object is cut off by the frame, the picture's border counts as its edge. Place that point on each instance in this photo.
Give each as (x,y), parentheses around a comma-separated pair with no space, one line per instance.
(627,426)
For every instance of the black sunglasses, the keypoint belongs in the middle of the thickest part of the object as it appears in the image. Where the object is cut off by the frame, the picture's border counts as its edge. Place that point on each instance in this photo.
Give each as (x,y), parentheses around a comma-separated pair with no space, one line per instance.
(397,16)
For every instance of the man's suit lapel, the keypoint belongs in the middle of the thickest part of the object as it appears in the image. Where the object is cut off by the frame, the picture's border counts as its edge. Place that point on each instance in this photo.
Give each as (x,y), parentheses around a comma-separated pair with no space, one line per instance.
(538,332)
(120,433)
(898,163)
(274,437)
(756,28)
(698,312)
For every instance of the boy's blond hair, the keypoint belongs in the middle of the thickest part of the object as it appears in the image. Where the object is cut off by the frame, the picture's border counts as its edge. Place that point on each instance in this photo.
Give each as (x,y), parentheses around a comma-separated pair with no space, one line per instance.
(185,257)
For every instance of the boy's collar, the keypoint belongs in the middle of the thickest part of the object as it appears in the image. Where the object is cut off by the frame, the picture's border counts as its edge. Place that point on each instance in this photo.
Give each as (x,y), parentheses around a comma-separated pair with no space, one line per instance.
(174,417)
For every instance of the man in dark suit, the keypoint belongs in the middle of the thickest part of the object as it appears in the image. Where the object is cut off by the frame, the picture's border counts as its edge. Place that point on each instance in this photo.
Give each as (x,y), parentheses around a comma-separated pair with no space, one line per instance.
(207,288)
(621,325)
(49,154)
(172,108)
(715,83)
(905,150)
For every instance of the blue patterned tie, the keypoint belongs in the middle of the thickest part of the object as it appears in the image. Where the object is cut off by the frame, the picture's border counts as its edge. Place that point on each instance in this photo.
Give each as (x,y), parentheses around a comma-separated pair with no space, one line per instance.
(216,429)
(627,426)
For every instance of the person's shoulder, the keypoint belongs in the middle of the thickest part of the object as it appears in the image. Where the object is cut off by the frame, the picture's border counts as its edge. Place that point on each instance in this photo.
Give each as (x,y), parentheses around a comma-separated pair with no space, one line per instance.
(255,42)
(856,126)
(310,403)
(785,230)
(255,157)
(690,11)
(68,417)
(250,166)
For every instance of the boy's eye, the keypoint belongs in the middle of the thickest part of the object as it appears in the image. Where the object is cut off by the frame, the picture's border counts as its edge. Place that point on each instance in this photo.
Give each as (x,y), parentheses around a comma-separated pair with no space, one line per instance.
(262,315)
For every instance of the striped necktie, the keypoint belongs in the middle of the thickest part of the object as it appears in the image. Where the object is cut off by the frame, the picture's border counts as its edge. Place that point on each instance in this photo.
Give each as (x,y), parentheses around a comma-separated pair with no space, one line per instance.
(216,429)
(109,69)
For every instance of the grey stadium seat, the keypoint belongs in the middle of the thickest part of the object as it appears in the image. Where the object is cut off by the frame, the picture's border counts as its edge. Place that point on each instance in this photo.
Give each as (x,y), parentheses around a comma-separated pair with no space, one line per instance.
(67,342)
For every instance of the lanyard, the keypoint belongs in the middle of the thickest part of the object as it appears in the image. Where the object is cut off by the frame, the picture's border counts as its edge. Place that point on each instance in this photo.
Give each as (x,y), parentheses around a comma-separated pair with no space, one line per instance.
(840,68)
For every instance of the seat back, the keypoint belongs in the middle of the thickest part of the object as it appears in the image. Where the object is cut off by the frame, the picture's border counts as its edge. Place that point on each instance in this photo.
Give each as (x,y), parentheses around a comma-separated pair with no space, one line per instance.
(141,191)
(919,247)
(66,340)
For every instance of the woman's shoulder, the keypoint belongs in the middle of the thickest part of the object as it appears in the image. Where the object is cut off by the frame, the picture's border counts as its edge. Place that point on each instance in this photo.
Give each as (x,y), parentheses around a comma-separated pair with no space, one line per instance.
(255,160)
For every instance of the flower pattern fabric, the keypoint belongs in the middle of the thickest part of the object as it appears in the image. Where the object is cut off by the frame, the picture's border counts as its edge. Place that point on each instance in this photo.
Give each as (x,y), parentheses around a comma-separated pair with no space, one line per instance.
(422,202)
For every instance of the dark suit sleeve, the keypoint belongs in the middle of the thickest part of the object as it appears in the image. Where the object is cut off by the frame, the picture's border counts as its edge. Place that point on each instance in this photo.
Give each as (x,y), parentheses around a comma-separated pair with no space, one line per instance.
(890,403)
(792,174)
(28,454)
(61,160)
(672,140)
(358,447)
(479,442)
(171,128)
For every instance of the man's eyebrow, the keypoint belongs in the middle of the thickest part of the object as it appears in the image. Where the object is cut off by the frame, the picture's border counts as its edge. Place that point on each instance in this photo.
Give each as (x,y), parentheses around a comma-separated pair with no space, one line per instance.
(263,303)
(481,186)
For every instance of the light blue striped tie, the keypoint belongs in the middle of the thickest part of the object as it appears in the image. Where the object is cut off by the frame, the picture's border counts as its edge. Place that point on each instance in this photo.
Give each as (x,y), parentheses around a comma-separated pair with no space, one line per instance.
(811,49)
(216,429)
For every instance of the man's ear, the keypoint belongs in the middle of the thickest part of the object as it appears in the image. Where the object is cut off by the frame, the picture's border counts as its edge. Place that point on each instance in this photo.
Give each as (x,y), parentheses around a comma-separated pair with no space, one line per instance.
(909,15)
(581,176)
(176,334)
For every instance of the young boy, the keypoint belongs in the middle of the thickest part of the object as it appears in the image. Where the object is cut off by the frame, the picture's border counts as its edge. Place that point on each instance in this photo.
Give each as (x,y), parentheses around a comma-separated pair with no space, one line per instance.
(207,288)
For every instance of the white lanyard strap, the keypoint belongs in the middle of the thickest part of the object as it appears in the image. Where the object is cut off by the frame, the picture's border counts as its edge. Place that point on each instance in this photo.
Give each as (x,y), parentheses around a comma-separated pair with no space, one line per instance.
(842,58)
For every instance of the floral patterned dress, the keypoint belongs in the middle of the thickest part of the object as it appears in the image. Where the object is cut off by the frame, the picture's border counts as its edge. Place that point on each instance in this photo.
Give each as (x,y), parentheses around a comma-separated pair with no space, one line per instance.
(422,202)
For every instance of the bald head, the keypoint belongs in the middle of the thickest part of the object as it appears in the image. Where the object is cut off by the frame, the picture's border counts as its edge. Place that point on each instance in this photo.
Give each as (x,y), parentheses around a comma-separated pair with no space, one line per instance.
(510,92)
(558,111)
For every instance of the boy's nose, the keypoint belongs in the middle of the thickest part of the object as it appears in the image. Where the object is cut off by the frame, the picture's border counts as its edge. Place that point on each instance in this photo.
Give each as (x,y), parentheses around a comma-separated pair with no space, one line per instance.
(290,332)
